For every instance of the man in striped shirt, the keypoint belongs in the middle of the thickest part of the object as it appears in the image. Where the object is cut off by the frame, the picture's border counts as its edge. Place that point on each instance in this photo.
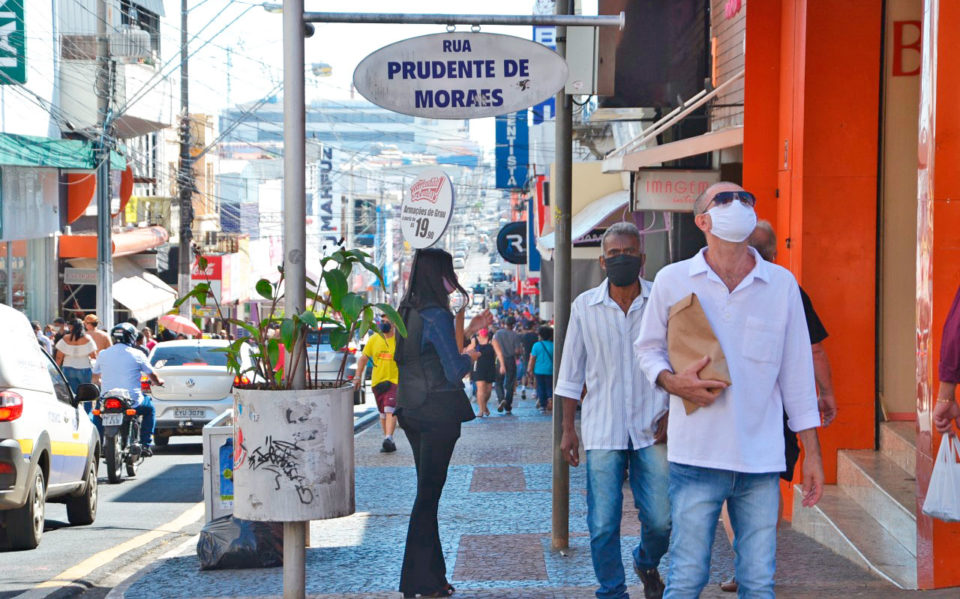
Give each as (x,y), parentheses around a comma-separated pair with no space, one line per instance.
(623,417)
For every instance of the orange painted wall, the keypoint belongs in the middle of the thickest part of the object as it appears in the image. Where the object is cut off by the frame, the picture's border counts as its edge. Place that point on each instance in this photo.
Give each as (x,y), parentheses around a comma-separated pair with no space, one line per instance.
(811,129)
(834,217)
(938,266)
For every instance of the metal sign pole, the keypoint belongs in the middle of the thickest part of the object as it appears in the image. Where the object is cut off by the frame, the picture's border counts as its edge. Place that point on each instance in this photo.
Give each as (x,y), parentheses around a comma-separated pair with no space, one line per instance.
(294,209)
(560,537)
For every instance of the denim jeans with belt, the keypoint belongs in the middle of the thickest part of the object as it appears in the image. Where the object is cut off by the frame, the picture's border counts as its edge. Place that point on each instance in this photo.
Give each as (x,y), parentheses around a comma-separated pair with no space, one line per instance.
(696,495)
(649,476)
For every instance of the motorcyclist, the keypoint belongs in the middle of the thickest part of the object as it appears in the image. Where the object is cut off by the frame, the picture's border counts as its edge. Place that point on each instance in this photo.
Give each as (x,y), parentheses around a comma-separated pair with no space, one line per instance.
(120,366)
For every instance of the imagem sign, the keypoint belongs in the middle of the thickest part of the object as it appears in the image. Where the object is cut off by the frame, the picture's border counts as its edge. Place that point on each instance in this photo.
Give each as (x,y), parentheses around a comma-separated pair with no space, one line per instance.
(460,75)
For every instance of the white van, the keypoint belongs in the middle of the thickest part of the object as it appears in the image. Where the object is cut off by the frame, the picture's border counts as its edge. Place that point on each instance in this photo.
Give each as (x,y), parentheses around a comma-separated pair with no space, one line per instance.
(49,448)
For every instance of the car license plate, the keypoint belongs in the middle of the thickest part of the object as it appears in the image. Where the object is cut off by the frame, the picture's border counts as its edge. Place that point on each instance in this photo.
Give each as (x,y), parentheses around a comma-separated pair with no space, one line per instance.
(189,413)
(112,419)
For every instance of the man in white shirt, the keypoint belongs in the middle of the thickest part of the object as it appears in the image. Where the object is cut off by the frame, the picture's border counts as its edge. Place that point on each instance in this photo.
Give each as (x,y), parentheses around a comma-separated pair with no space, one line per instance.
(623,419)
(731,448)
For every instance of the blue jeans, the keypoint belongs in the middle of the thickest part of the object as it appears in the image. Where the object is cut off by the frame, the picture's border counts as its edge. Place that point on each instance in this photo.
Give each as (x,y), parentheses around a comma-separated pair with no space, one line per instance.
(696,495)
(649,477)
(544,389)
(77,376)
(148,421)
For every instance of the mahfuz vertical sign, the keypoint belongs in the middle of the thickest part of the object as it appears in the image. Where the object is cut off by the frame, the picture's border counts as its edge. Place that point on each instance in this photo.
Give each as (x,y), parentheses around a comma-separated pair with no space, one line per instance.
(513,150)
(325,210)
(13,43)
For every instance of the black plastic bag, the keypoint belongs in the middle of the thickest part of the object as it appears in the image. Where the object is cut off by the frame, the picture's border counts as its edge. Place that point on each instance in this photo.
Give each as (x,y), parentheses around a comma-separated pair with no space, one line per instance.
(230,543)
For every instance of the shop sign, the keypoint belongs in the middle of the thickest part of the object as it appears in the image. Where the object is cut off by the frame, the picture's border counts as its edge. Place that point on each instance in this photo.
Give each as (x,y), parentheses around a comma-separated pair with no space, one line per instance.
(13,43)
(528,286)
(426,209)
(512,151)
(512,242)
(79,276)
(460,75)
(670,190)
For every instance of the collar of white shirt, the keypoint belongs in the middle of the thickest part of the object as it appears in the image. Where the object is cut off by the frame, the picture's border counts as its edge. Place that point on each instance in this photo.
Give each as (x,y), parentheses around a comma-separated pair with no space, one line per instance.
(760,270)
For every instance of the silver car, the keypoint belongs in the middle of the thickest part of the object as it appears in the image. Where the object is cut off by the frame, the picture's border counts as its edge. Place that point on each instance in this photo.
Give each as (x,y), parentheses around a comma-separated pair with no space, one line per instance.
(197,387)
(324,361)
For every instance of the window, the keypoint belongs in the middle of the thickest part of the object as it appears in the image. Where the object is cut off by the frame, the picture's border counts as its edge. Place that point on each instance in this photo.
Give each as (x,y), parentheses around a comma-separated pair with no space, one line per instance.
(186,355)
(60,385)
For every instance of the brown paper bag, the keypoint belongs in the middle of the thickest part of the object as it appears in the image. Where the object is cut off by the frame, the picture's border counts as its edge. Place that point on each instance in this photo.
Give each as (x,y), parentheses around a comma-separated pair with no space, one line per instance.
(689,338)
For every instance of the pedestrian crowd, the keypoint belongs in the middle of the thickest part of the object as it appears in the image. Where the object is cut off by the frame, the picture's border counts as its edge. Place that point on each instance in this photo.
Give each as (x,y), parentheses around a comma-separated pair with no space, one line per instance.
(692,439)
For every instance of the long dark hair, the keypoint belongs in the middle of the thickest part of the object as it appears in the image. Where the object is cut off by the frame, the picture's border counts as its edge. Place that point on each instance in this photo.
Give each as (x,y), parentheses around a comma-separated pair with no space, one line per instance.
(430,267)
(76,329)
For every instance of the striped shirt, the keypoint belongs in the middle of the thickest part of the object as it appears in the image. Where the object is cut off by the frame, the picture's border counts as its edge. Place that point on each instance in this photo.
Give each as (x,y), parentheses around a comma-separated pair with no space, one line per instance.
(621,406)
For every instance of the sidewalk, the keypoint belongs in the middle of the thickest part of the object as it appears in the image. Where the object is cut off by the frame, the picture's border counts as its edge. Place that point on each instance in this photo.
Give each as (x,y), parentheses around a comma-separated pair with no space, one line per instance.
(495,524)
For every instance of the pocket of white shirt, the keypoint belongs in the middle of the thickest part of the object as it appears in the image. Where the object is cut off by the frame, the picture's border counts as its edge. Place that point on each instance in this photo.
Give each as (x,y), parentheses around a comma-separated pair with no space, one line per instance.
(761,340)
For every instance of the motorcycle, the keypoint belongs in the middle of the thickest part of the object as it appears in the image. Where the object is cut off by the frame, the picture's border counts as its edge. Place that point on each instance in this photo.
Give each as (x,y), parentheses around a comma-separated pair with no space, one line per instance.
(121,434)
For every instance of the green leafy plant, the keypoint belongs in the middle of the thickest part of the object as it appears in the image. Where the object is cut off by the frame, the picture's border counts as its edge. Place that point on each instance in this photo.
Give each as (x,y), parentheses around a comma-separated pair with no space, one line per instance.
(330,305)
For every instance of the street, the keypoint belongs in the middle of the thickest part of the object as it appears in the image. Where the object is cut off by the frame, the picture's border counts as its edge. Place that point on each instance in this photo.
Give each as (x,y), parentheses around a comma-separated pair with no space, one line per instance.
(147,515)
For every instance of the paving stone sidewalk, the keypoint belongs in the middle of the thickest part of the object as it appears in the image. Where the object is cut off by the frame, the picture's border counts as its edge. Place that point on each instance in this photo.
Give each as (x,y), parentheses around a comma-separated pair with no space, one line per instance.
(495,520)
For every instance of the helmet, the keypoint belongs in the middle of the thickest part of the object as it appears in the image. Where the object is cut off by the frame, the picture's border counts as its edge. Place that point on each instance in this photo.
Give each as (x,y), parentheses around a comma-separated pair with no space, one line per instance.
(124,333)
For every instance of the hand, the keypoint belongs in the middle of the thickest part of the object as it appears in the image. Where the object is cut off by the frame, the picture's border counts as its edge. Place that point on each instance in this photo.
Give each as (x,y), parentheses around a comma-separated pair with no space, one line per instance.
(660,434)
(812,479)
(481,321)
(688,385)
(570,447)
(944,415)
(158,382)
(827,403)
(474,354)
(503,369)
(357,381)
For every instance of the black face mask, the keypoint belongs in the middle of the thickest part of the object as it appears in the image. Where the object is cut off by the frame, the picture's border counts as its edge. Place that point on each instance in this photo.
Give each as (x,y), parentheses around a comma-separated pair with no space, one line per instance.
(623,270)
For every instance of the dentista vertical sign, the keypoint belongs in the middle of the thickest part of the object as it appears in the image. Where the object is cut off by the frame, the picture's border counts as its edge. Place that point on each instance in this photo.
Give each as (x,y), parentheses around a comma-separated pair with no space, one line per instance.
(460,75)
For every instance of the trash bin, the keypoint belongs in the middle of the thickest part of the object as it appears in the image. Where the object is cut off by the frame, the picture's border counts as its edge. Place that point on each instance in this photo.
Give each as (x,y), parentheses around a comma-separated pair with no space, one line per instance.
(218,467)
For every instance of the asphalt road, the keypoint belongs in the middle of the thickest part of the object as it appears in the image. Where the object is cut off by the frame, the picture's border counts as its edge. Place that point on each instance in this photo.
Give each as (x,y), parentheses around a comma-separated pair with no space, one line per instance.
(166,487)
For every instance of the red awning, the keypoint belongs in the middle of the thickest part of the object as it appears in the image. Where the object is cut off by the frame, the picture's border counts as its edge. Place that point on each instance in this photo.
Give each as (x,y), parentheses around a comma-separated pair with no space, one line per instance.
(125,243)
(82,189)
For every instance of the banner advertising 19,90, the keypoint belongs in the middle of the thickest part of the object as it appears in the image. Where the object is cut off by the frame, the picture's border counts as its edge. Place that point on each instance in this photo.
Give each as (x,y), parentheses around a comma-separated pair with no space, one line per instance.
(427,209)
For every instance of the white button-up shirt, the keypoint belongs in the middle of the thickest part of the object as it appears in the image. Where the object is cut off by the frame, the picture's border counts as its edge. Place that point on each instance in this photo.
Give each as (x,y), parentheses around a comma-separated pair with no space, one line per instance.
(621,406)
(761,327)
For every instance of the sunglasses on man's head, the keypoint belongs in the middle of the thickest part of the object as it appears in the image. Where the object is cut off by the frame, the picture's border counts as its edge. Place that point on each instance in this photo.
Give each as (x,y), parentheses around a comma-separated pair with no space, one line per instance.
(722,198)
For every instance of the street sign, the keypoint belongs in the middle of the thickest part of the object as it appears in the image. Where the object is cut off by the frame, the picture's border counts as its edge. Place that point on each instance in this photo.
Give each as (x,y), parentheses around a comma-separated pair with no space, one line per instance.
(512,151)
(427,209)
(460,75)
(512,242)
(670,190)
(13,43)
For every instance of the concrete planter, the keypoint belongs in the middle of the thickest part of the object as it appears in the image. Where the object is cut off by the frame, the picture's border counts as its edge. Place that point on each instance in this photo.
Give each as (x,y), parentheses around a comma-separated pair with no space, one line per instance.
(293,454)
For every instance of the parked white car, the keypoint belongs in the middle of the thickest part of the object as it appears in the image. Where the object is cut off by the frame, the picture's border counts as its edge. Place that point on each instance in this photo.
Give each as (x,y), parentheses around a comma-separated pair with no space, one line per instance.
(197,387)
(49,448)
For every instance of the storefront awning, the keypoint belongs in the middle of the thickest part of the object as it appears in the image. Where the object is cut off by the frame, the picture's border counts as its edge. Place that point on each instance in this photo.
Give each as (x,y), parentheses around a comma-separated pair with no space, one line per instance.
(29,150)
(675,150)
(592,215)
(125,243)
(142,293)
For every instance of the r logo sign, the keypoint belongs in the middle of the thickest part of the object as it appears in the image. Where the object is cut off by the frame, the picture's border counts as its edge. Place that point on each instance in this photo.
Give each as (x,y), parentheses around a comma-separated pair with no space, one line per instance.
(512,242)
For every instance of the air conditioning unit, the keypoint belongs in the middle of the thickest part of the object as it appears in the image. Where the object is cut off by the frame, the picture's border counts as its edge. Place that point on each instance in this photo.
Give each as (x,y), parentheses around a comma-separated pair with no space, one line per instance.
(130,43)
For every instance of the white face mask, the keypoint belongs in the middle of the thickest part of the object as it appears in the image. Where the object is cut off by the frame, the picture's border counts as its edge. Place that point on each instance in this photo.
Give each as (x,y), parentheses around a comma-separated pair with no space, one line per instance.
(733,222)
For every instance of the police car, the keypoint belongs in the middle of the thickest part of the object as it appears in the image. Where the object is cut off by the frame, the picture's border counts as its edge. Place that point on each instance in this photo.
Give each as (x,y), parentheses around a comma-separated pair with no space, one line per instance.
(49,449)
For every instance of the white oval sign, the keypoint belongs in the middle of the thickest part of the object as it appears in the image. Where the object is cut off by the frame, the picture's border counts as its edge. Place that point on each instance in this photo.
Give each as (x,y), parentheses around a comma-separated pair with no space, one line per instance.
(426,209)
(460,75)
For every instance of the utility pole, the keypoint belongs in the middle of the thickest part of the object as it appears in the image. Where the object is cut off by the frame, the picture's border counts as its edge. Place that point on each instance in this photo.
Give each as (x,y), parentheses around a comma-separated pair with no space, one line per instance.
(185,172)
(560,538)
(104,90)
(294,248)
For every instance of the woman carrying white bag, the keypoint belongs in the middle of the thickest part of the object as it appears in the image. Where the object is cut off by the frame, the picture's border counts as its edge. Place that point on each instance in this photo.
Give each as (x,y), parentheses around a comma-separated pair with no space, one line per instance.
(943,494)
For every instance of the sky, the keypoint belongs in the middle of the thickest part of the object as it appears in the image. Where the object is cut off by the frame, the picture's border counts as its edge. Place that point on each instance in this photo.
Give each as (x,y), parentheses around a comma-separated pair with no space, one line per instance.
(252,38)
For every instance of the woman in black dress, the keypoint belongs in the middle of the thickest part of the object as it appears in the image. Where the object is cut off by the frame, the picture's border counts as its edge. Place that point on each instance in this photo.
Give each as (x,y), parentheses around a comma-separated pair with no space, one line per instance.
(484,370)
(431,405)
